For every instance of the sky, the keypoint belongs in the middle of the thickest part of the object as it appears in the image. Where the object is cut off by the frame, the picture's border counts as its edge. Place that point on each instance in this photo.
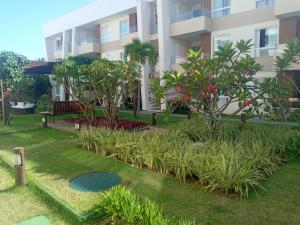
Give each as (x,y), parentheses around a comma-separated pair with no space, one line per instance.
(21,23)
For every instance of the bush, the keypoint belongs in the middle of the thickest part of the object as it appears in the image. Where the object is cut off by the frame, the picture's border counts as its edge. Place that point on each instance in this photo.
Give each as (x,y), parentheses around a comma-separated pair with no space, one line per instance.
(44,103)
(236,162)
(122,207)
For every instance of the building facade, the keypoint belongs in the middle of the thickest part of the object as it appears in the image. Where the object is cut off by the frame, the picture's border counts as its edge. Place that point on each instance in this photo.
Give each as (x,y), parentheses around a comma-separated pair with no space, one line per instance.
(104,27)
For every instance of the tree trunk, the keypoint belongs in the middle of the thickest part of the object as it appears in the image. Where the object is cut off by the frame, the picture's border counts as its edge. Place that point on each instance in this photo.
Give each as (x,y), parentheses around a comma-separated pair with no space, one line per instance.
(5,103)
(135,99)
(139,99)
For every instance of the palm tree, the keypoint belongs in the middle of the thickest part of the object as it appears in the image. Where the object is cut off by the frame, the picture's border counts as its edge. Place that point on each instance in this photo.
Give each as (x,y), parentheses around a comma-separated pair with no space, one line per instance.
(140,53)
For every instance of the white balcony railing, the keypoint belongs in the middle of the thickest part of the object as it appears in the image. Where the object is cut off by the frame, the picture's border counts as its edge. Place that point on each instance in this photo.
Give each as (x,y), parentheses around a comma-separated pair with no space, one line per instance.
(187,15)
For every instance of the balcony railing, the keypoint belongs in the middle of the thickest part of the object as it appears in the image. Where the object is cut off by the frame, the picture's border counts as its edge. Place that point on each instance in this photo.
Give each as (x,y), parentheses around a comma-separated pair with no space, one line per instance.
(191,14)
(89,40)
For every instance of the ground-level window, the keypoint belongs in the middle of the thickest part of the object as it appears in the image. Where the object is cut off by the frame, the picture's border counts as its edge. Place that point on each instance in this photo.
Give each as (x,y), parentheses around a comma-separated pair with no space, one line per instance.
(58,89)
(220,41)
(264,3)
(266,41)
(221,8)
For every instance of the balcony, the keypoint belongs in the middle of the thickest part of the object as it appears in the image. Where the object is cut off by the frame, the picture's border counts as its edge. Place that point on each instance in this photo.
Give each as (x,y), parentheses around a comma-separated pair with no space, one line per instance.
(190,22)
(127,38)
(57,55)
(89,45)
(286,8)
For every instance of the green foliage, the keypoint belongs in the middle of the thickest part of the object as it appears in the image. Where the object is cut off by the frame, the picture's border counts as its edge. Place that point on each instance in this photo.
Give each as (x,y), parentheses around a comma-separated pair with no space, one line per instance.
(44,103)
(231,73)
(23,90)
(122,207)
(139,52)
(42,86)
(11,67)
(235,162)
(290,55)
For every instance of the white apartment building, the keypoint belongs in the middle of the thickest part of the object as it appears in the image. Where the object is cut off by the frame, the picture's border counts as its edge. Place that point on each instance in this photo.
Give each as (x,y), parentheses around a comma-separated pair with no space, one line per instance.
(174,26)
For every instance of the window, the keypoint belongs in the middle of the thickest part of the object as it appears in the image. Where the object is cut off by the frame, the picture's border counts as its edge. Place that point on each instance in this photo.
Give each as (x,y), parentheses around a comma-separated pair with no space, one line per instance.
(104,33)
(223,100)
(124,27)
(220,41)
(58,44)
(221,8)
(264,3)
(266,41)
(58,92)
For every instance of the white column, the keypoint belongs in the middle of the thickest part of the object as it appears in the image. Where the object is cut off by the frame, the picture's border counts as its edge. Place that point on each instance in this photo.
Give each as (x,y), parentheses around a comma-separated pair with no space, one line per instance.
(64,45)
(143,18)
(164,8)
(74,41)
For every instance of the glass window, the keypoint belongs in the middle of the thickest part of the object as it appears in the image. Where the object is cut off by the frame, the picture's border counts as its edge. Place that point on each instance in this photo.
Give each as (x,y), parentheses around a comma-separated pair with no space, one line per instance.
(58,44)
(58,91)
(220,41)
(264,3)
(266,41)
(104,33)
(221,8)
(124,27)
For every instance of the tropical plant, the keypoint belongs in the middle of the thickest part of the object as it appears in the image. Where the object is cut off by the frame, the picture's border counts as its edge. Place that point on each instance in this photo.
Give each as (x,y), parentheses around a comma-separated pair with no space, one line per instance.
(23,90)
(236,162)
(74,75)
(140,53)
(11,71)
(120,206)
(109,80)
(229,74)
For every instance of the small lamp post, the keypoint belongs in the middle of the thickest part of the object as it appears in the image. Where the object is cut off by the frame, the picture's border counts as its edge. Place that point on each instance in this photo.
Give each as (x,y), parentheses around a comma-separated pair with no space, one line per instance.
(45,118)
(77,125)
(19,163)
(154,119)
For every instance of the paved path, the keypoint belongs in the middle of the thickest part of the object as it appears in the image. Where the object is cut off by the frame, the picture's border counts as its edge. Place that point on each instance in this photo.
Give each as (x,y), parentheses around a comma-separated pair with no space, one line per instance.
(255,120)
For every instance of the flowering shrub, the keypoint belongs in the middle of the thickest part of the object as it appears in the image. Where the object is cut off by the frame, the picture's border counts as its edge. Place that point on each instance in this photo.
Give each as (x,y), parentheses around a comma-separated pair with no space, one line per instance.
(230,73)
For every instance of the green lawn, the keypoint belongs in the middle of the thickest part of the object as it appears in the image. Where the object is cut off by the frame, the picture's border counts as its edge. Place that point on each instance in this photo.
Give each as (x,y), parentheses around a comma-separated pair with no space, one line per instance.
(53,158)
(18,204)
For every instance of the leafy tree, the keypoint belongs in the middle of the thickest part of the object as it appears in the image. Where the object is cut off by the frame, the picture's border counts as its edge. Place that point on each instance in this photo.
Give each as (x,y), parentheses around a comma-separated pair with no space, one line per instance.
(139,52)
(11,67)
(11,71)
(286,85)
(110,80)
(73,73)
(230,73)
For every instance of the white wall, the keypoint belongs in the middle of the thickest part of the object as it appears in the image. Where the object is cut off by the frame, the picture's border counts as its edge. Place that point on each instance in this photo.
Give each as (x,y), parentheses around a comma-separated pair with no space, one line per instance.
(90,13)
(238,6)
(114,27)
(112,55)
(245,32)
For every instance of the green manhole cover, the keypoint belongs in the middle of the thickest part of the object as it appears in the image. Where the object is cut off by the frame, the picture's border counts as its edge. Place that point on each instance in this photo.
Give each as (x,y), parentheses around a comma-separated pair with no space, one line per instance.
(94,182)
(39,220)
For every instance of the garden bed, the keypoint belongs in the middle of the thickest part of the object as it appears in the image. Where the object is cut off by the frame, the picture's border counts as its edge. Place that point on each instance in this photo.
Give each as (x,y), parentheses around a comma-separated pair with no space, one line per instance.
(102,122)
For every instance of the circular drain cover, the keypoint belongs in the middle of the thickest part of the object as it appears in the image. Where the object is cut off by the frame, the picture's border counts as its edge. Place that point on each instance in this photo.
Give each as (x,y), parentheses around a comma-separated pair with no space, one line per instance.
(94,182)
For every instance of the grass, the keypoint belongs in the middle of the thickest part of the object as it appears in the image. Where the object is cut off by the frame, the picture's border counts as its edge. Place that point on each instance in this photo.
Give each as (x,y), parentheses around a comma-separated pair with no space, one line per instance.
(53,158)
(18,204)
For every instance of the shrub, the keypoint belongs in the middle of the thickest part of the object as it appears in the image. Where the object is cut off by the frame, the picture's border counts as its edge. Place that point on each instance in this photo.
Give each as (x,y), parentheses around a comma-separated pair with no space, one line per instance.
(44,103)
(236,162)
(122,207)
